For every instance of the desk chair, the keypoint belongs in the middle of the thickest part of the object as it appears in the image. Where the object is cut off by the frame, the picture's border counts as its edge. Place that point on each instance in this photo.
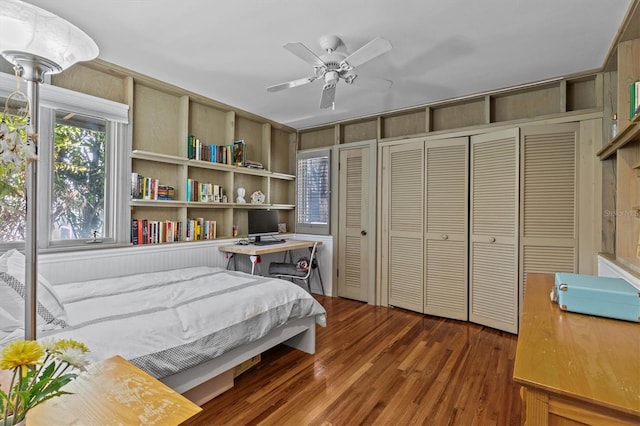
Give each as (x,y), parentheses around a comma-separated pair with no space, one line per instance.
(290,270)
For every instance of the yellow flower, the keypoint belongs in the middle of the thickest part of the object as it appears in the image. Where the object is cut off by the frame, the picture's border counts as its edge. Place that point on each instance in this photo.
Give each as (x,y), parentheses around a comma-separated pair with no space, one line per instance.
(20,353)
(64,344)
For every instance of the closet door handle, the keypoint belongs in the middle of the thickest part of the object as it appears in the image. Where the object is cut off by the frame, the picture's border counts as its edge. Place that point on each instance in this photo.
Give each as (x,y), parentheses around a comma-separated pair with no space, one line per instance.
(363,232)
(445,237)
(492,239)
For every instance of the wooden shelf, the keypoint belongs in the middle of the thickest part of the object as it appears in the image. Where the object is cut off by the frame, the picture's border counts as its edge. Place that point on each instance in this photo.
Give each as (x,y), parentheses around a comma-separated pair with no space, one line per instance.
(629,134)
(157,203)
(161,158)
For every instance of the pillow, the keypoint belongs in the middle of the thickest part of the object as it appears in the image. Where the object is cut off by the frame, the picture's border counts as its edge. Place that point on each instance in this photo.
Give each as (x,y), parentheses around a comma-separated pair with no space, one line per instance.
(50,311)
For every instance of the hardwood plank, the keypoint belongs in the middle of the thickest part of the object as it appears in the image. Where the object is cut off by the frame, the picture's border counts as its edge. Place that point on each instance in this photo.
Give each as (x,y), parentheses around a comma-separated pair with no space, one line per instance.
(377,366)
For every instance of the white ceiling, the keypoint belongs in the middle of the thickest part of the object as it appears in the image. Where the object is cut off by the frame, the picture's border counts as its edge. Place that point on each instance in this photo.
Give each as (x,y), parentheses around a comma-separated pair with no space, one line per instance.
(231,51)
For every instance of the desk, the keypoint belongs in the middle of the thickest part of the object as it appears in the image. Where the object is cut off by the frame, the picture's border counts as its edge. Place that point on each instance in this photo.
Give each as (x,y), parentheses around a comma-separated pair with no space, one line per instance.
(114,392)
(254,250)
(574,368)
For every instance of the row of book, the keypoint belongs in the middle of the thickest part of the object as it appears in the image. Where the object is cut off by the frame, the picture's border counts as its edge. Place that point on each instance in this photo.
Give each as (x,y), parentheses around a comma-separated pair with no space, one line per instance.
(201,229)
(144,231)
(634,99)
(146,188)
(224,154)
(204,192)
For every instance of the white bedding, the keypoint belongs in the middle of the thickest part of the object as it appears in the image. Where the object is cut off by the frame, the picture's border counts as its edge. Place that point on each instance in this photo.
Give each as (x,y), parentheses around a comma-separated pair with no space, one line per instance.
(166,322)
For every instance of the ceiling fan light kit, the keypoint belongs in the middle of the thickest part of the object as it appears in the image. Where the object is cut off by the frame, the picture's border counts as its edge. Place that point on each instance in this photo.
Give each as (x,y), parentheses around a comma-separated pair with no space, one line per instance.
(335,65)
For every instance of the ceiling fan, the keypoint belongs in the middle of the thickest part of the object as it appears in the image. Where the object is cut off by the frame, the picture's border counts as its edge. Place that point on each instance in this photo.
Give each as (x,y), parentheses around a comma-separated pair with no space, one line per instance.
(335,65)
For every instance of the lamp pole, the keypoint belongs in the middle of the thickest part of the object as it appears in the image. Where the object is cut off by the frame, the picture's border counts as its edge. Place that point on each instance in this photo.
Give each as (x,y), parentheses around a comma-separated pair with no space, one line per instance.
(32,70)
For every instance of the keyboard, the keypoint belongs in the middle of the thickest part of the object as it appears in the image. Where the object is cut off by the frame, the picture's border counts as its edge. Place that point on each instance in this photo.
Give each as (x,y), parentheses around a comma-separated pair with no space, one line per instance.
(268,242)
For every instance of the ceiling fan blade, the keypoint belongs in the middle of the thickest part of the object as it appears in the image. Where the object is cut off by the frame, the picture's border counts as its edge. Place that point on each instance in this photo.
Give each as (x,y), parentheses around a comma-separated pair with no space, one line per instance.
(328,96)
(302,52)
(374,48)
(372,83)
(290,84)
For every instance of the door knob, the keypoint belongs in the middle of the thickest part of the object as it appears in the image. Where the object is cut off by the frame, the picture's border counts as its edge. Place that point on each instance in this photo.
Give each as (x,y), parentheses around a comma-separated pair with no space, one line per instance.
(363,232)
(492,239)
(445,237)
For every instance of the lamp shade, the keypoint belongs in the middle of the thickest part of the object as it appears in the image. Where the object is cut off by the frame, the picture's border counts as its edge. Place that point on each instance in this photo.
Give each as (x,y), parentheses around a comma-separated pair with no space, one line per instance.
(27,30)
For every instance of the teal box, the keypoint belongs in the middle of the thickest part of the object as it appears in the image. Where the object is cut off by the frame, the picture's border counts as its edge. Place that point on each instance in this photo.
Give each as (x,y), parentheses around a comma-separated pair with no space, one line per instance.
(601,296)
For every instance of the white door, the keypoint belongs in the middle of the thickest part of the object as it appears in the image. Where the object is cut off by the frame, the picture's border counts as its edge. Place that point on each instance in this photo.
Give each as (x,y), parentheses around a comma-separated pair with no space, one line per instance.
(493,252)
(548,231)
(446,216)
(402,218)
(355,221)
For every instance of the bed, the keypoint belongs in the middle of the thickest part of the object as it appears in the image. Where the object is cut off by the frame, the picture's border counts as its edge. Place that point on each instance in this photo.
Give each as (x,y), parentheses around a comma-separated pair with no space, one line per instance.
(183,326)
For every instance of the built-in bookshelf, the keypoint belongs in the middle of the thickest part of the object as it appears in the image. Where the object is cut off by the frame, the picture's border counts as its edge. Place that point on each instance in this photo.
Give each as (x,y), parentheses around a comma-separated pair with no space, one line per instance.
(173,138)
(624,149)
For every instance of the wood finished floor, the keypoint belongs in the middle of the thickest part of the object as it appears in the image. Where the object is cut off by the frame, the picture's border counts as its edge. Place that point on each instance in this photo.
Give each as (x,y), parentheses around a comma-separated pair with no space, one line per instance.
(378,366)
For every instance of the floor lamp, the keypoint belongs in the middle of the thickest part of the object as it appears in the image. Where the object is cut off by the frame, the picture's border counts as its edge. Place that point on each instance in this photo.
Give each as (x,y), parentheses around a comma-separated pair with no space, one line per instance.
(37,42)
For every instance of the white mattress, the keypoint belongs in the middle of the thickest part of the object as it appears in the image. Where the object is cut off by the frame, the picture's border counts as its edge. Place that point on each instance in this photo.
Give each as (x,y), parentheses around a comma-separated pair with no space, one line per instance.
(166,322)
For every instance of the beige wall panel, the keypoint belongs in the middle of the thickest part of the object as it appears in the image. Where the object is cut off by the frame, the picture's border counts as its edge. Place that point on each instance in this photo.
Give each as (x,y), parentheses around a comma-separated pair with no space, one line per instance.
(359,131)
(155,213)
(317,138)
(281,148)
(526,104)
(157,121)
(628,202)
(628,72)
(207,124)
(590,196)
(581,94)
(470,113)
(251,132)
(405,124)
(86,80)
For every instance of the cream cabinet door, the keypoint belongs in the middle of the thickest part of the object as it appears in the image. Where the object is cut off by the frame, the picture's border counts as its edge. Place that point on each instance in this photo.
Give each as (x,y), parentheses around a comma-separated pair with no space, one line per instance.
(354,224)
(548,232)
(402,218)
(493,268)
(446,217)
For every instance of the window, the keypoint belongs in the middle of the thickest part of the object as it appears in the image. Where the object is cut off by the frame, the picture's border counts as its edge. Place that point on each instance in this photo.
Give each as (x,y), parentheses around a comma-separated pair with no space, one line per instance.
(313,192)
(78,201)
(83,189)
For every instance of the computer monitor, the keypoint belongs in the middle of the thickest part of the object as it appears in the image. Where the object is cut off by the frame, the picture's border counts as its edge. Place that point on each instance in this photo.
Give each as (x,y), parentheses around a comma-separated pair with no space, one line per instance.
(262,223)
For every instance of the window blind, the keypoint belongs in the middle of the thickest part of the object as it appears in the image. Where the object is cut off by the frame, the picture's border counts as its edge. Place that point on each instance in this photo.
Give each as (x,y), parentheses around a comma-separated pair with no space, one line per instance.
(313,192)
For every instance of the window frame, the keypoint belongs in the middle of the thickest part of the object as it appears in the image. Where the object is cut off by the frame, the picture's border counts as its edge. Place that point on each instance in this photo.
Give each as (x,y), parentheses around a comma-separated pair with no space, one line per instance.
(117,164)
(307,227)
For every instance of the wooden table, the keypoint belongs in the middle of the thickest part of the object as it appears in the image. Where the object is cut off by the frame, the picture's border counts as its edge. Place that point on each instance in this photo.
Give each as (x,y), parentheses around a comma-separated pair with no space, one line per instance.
(574,368)
(254,250)
(114,392)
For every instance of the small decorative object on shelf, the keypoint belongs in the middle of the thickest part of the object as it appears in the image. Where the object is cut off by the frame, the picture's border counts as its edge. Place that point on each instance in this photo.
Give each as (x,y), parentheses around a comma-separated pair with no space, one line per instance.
(240,198)
(282,228)
(40,371)
(239,153)
(614,125)
(257,197)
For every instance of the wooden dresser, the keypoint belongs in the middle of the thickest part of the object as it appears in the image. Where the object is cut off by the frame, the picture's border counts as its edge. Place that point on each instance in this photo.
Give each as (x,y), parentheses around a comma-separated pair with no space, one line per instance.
(573,368)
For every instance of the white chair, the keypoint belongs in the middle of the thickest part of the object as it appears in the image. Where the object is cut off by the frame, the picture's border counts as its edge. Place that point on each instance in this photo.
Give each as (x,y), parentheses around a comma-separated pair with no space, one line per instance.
(290,270)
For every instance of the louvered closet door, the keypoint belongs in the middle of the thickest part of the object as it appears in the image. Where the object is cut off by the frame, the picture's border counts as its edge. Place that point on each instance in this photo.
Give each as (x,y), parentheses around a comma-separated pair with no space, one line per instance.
(353,218)
(402,218)
(446,164)
(493,277)
(548,207)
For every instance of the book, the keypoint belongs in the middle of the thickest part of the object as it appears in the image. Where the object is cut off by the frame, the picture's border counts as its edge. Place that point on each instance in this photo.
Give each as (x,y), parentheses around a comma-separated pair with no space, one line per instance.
(134,232)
